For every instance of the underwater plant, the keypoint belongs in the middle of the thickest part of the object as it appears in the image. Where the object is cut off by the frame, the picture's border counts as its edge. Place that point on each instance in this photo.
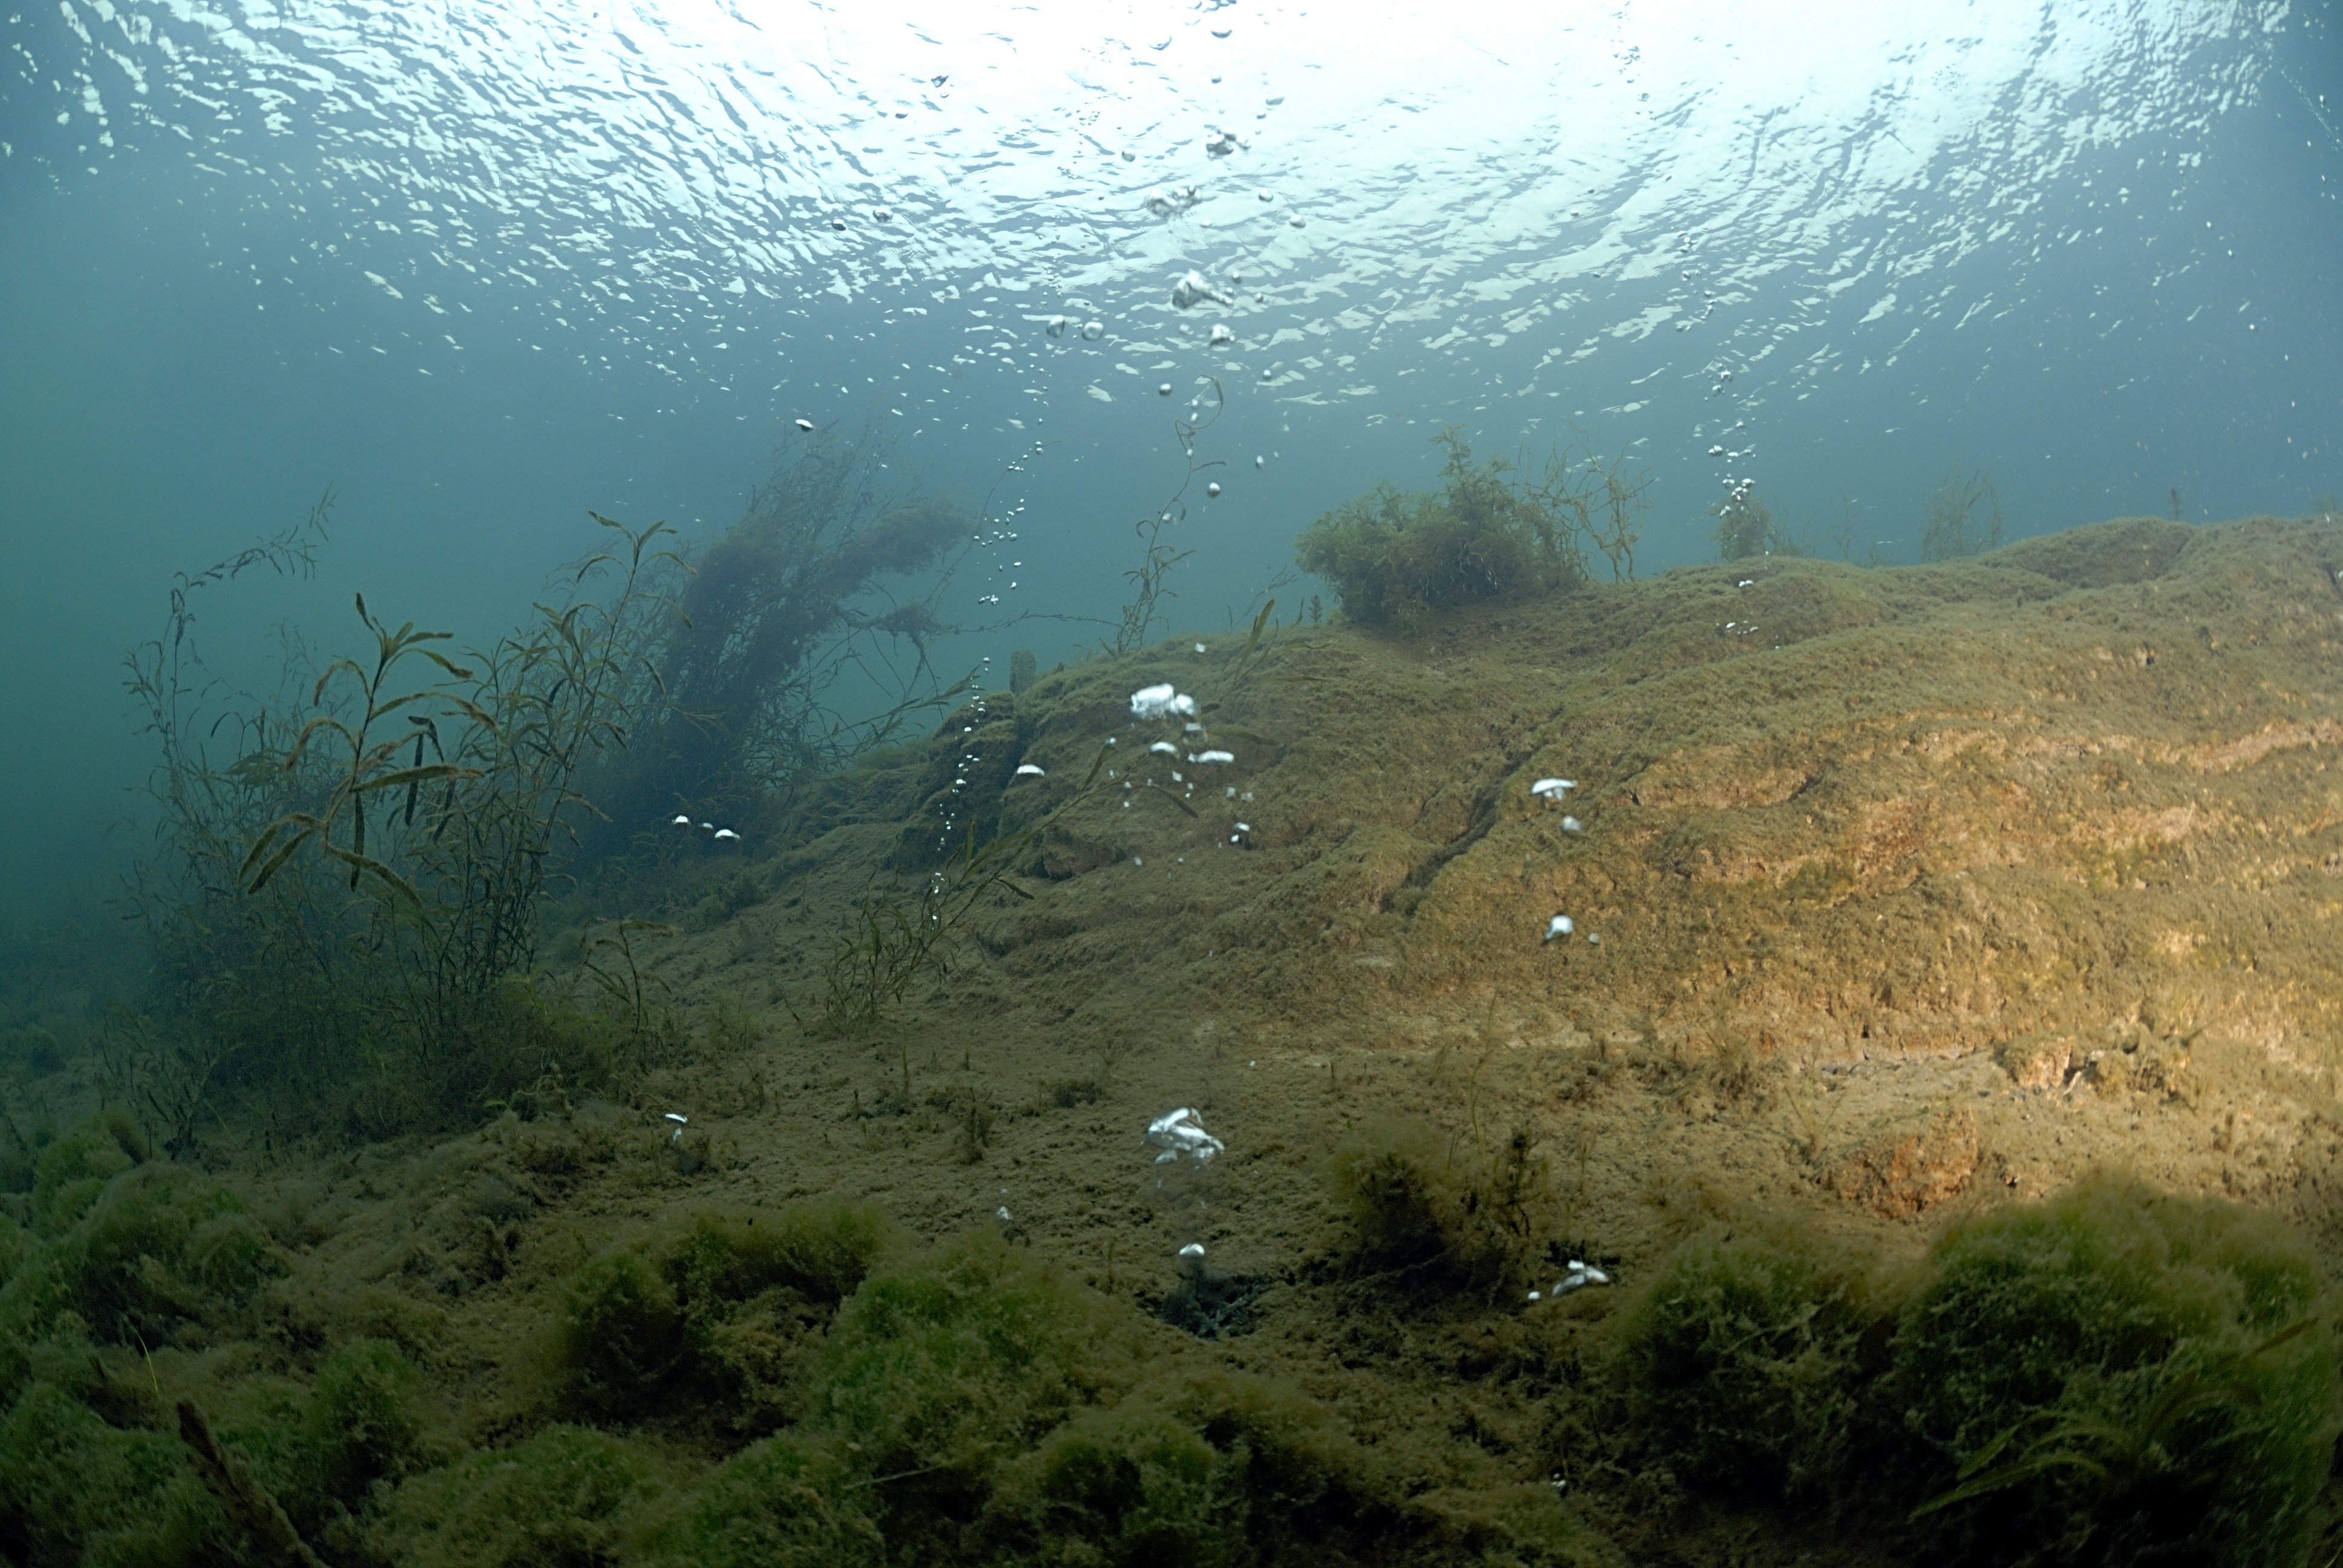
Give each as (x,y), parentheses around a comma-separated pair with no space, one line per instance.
(1963,516)
(1743,1359)
(1746,527)
(1394,558)
(1140,615)
(362,882)
(1421,1206)
(898,935)
(711,1321)
(2121,1374)
(773,616)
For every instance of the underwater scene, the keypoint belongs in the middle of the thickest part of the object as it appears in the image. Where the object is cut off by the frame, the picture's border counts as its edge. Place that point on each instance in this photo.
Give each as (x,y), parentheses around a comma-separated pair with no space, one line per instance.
(1171,783)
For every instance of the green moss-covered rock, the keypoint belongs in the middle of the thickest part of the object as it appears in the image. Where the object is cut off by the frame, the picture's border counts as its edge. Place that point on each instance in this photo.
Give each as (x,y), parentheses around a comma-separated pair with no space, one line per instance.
(2132,1376)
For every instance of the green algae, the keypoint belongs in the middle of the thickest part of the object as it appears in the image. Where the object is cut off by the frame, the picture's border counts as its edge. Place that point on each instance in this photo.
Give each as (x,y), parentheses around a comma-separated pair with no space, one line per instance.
(1743,1361)
(2124,1373)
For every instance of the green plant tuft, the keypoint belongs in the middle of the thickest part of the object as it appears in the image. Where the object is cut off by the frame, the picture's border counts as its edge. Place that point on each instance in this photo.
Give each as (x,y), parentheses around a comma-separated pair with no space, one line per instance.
(708,1327)
(938,1364)
(1746,527)
(567,1495)
(822,1251)
(364,1422)
(71,1172)
(782,1502)
(1964,516)
(1741,1357)
(1449,1214)
(2117,1376)
(622,1334)
(1396,559)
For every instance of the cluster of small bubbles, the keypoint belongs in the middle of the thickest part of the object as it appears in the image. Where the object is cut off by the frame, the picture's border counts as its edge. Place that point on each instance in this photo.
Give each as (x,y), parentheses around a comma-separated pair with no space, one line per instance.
(974,716)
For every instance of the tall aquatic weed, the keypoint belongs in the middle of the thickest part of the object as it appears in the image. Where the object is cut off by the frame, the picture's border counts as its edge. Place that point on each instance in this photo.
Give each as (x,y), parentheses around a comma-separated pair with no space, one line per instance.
(347,897)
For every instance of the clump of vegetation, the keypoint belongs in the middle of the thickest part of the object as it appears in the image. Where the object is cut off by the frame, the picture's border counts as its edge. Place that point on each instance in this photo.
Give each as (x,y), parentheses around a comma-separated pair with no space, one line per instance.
(157,1265)
(1964,517)
(342,901)
(2114,1376)
(124,1251)
(1742,1360)
(1746,527)
(1395,558)
(708,1326)
(775,614)
(1451,1215)
(565,1494)
(2121,1375)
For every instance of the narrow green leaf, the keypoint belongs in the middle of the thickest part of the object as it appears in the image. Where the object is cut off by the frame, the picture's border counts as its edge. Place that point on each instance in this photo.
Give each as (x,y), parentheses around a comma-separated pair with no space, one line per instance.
(1170,796)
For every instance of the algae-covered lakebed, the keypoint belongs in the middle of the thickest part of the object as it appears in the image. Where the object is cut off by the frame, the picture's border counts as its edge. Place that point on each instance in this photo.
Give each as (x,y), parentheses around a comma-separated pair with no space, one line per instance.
(1933,1098)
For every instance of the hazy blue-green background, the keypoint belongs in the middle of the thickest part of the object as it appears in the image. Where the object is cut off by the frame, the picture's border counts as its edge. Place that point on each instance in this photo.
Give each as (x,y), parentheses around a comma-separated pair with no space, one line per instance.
(483,268)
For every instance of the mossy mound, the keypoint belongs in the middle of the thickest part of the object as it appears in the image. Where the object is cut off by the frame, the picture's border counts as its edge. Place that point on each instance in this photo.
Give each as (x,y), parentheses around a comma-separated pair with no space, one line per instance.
(707,1324)
(1745,1363)
(2124,1376)
(135,1267)
(2114,1376)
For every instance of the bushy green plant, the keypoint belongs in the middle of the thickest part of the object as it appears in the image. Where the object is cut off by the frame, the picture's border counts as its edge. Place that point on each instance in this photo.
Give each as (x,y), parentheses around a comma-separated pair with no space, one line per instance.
(71,1172)
(1741,1359)
(161,1248)
(1394,557)
(937,1366)
(711,1321)
(822,1250)
(363,1423)
(782,1502)
(1215,1467)
(16,1246)
(1443,1209)
(74,1490)
(621,1333)
(1746,529)
(34,1048)
(775,611)
(567,1495)
(1134,1485)
(2117,1376)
